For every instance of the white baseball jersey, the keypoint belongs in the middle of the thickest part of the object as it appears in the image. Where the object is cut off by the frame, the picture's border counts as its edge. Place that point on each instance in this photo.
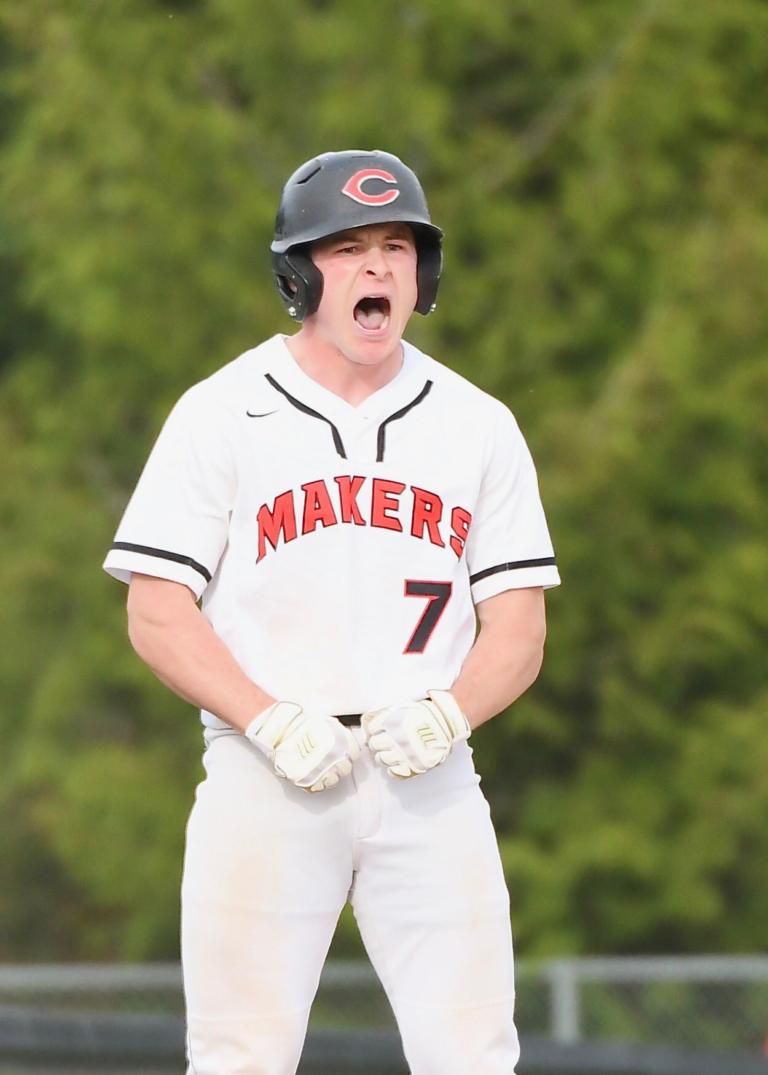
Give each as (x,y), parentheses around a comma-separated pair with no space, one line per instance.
(339,551)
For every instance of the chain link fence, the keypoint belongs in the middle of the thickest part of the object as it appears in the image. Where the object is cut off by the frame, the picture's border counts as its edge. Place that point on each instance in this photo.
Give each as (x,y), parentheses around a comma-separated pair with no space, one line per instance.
(712,1002)
(665,1016)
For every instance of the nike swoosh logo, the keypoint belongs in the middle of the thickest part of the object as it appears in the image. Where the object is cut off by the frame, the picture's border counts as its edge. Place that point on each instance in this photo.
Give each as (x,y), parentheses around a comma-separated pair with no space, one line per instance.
(265,414)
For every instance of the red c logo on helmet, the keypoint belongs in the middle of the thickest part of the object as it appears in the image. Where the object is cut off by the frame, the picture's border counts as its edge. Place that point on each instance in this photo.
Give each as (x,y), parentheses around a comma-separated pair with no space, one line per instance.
(353,188)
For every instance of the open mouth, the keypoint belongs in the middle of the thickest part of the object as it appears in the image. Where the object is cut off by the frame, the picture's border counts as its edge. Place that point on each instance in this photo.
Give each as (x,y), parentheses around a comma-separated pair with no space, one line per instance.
(372,313)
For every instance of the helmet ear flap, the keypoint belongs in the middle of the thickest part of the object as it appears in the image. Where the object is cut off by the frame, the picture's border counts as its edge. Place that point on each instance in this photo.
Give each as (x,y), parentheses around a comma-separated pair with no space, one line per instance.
(299,281)
(430,266)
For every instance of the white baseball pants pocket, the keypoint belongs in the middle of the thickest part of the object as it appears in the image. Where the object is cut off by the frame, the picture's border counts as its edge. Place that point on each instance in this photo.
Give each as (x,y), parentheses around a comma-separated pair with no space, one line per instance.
(267,871)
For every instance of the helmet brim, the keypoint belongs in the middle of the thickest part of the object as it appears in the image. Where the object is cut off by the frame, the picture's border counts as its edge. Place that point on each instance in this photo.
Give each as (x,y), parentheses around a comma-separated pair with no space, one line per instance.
(362,220)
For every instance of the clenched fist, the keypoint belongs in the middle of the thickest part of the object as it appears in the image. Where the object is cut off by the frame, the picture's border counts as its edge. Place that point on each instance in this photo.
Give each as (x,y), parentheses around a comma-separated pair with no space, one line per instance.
(415,736)
(312,750)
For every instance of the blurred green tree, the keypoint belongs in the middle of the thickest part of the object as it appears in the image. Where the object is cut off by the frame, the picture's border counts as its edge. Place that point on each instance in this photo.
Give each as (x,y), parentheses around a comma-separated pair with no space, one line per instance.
(600,174)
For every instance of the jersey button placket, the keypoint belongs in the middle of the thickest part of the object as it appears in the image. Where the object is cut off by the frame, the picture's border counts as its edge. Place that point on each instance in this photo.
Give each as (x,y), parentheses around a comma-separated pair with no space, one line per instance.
(361,438)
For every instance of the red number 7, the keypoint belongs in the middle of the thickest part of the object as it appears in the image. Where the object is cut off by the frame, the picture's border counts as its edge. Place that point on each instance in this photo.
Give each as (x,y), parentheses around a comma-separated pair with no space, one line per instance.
(437,595)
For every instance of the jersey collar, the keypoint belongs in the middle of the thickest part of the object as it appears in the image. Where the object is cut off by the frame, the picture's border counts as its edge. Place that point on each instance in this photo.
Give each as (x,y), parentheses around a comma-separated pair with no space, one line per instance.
(404,386)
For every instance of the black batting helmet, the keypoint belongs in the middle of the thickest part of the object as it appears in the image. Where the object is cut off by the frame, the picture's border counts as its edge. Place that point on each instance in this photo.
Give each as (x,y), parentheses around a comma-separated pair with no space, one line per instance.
(337,191)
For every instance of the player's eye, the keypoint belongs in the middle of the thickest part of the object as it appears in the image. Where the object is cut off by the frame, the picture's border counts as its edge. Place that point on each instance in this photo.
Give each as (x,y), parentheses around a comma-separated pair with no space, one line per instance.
(347,246)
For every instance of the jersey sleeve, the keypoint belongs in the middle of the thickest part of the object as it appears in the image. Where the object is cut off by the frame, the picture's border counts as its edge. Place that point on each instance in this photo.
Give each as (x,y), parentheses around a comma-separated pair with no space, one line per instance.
(175,525)
(509,546)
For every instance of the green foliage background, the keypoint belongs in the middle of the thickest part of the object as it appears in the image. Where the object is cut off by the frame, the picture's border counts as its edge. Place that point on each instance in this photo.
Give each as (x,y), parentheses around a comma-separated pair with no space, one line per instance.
(600,171)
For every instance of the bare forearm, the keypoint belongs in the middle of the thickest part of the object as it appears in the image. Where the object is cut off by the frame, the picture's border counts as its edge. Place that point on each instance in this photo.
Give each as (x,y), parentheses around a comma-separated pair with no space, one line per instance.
(491,680)
(506,657)
(176,641)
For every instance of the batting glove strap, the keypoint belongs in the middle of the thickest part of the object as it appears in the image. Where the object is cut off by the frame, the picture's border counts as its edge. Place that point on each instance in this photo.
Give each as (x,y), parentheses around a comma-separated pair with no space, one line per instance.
(452,713)
(269,728)
(414,737)
(311,750)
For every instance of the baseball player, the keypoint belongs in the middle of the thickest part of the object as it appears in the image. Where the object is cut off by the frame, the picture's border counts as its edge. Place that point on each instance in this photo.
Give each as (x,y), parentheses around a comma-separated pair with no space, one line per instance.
(363,531)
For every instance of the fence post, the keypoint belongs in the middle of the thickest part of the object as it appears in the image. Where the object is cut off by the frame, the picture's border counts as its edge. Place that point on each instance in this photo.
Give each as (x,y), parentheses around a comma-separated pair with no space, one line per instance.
(564,1000)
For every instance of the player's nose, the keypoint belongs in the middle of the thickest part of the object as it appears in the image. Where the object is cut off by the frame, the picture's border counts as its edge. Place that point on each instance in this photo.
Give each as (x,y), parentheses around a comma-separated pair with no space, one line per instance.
(376,262)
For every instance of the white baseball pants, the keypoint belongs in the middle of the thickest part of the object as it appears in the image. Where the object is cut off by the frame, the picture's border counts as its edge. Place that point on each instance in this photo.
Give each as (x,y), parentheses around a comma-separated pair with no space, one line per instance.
(268,868)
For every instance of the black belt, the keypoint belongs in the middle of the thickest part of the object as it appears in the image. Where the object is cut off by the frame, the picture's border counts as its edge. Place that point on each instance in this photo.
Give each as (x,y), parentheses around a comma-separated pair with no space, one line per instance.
(349,720)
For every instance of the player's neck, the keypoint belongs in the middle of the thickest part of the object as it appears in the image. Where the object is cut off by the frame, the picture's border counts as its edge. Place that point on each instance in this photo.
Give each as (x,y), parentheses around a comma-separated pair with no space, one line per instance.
(353,381)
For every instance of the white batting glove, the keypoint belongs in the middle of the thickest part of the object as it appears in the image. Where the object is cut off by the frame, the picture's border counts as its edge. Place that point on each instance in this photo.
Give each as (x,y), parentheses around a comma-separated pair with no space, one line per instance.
(416,736)
(312,750)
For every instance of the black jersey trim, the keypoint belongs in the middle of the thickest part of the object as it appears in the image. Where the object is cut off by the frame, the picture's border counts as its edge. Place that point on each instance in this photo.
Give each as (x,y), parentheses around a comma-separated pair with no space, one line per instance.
(337,441)
(381,438)
(544,561)
(163,554)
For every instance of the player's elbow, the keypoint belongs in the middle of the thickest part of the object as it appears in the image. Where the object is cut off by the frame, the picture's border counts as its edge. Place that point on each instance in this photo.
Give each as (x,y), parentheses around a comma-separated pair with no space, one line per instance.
(536,659)
(529,643)
(142,627)
(139,633)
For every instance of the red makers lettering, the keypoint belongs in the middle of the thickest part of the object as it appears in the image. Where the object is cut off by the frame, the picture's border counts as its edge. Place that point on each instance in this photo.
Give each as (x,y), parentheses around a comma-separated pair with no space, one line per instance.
(384,501)
(349,487)
(460,520)
(427,512)
(328,503)
(318,508)
(281,519)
